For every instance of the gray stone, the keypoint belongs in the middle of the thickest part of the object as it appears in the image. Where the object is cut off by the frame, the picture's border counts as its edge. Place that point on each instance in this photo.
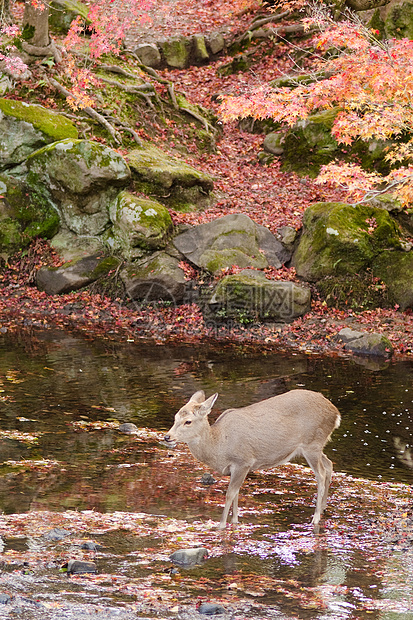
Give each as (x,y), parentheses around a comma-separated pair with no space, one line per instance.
(189,557)
(288,235)
(338,239)
(84,178)
(128,428)
(273,143)
(176,52)
(211,609)
(149,54)
(80,567)
(138,222)
(63,12)
(250,295)
(169,179)
(216,42)
(156,278)
(4,598)
(370,344)
(399,19)
(56,534)
(74,275)
(348,335)
(230,240)
(5,84)
(24,128)
(199,51)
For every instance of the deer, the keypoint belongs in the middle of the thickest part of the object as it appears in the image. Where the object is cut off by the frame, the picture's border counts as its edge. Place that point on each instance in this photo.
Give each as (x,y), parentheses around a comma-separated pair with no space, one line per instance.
(259,436)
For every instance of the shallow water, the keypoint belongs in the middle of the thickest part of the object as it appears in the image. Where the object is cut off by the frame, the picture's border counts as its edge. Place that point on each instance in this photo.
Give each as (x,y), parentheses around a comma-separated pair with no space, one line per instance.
(53,382)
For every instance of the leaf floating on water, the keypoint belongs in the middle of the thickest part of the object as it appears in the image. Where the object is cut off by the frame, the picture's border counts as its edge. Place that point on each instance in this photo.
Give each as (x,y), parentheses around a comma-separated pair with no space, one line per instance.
(23,437)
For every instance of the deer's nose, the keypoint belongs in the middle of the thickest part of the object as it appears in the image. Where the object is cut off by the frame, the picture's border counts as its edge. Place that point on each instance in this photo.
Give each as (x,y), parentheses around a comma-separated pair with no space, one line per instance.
(167,438)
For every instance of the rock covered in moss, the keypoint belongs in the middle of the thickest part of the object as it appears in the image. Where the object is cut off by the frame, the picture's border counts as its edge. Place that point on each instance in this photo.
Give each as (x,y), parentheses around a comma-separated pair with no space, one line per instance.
(139,222)
(396,271)
(24,215)
(176,51)
(158,277)
(309,144)
(234,239)
(84,178)
(339,239)
(24,128)
(370,344)
(63,12)
(168,179)
(75,274)
(250,295)
(398,21)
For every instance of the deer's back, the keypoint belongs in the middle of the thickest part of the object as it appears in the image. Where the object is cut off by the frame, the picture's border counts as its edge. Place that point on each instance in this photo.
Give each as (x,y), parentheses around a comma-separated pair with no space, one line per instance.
(277,426)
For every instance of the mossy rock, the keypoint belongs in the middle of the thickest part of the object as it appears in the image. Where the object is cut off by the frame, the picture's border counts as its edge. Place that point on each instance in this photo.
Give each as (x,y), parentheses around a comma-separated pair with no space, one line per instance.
(84,178)
(24,214)
(176,51)
(309,145)
(157,278)
(139,222)
(354,292)
(24,128)
(63,12)
(399,20)
(249,296)
(75,274)
(167,178)
(340,239)
(54,126)
(396,271)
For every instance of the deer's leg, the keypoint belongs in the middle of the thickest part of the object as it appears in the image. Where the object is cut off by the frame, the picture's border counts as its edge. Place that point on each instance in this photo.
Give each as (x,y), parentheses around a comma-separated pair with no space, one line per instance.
(329,470)
(316,463)
(237,478)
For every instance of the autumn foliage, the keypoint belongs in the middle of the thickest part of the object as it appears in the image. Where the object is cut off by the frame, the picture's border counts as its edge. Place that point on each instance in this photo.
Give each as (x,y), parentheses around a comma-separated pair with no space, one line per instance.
(370,84)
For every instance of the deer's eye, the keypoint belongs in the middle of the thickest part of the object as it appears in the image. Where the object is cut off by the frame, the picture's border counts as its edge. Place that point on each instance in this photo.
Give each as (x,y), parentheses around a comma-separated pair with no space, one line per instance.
(187,422)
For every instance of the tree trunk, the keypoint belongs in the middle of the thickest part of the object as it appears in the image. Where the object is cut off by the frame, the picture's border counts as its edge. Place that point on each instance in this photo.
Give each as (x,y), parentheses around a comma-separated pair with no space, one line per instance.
(36,21)
(36,32)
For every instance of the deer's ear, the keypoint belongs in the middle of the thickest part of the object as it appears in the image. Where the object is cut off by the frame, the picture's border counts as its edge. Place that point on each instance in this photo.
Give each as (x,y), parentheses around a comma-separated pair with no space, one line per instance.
(198,397)
(205,407)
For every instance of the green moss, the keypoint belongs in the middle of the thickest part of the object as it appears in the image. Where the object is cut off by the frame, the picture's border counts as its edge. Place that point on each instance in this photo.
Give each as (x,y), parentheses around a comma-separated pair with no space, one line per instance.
(30,208)
(10,236)
(356,292)
(339,239)
(104,267)
(399,20)
(52,124)
(396,270)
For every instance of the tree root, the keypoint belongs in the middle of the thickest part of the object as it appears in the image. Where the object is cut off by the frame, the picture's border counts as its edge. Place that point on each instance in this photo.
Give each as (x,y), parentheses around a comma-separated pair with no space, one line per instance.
(47,51)
(89,111)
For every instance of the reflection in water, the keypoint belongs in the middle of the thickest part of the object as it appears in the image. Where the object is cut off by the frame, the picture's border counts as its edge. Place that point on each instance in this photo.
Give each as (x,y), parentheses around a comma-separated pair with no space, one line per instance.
(51,380)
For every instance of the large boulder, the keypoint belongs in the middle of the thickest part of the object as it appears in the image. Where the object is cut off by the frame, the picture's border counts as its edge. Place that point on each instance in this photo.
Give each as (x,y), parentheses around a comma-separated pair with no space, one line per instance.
(63,12)
(309,144)
(249,295)
(138,223)
(339,239)
(75,274)
(176,51)
(231,240)
(24,215)
(398,21)
(168,179)
(396,271)
(24,128)
(158,277)
(83,178)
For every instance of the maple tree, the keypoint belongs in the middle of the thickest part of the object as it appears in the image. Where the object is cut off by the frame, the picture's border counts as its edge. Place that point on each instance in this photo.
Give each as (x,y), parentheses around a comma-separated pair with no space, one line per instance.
(370,84)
